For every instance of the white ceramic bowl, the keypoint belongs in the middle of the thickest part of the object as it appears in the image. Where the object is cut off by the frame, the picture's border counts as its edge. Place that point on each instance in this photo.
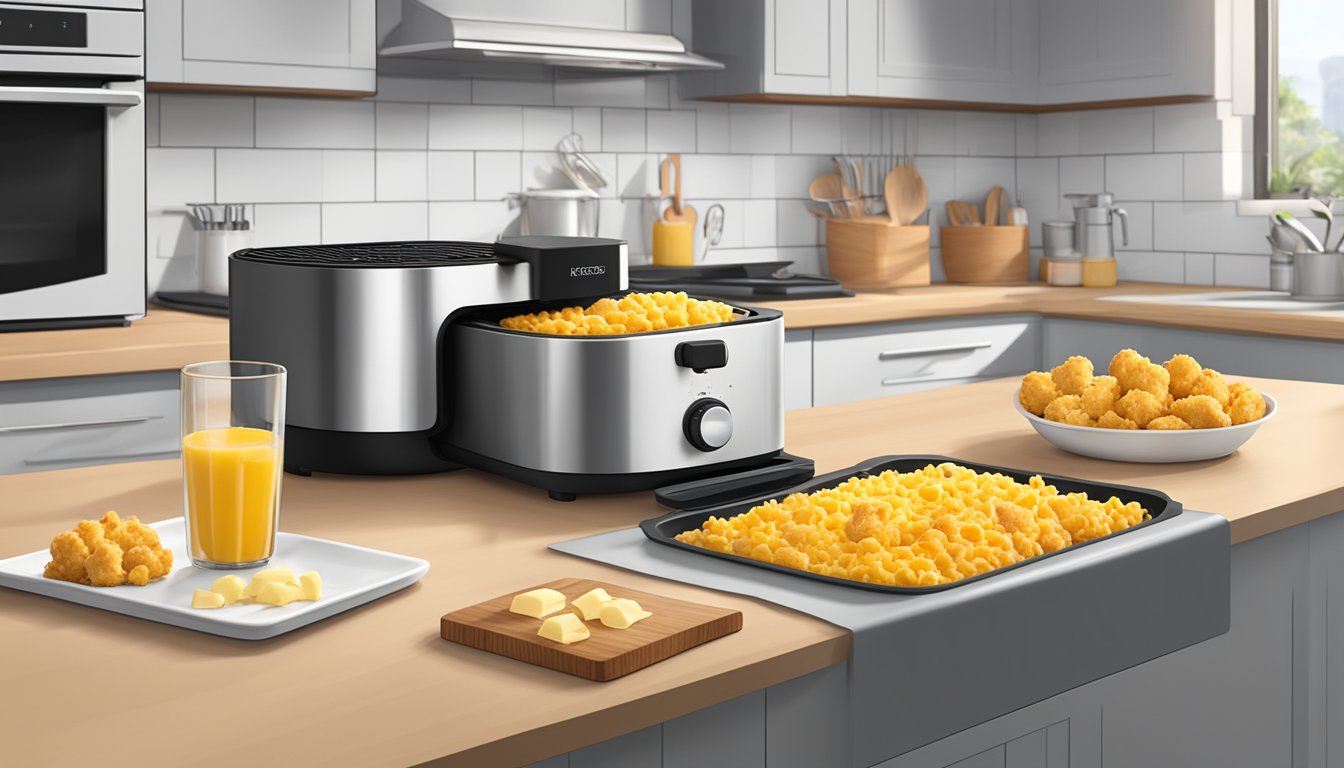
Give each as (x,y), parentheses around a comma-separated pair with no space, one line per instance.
(1144,446)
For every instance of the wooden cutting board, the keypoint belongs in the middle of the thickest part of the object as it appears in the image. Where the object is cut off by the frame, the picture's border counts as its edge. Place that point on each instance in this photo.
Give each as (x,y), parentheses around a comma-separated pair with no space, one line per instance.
(675,626)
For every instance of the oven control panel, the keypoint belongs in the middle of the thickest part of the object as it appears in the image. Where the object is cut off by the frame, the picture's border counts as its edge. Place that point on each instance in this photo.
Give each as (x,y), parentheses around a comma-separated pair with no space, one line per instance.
(46,29)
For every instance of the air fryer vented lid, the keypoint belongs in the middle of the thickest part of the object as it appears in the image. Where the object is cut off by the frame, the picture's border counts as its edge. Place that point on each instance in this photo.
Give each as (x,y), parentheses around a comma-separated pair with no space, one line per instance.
(408,254)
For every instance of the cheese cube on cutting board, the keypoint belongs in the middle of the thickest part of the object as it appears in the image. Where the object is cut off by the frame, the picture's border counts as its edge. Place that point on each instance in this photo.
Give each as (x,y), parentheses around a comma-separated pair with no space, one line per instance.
(278,593)
(566,628)
(622,612)
(538,603)
(229,587)
(204,598)
(310,586)
(590,604)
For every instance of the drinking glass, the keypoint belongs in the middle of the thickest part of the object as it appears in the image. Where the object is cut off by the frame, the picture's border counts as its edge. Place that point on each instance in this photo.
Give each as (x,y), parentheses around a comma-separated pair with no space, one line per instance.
(233,438)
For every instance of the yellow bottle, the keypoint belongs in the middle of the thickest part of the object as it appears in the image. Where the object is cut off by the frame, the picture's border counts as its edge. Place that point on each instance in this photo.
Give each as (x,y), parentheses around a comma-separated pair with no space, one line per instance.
(232,485)
(1099,273)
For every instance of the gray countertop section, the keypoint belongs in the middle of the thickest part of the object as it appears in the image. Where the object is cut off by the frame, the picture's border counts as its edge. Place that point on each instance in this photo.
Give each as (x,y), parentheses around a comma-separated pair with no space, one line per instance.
(926,666)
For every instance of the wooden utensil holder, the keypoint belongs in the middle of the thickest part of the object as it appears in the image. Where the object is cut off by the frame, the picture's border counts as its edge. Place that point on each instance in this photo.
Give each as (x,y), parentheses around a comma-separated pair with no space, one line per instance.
(867,254)
(985,255)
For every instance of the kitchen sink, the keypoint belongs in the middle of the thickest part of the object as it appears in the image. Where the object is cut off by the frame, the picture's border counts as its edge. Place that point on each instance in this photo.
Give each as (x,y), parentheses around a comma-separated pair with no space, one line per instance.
(1268,301)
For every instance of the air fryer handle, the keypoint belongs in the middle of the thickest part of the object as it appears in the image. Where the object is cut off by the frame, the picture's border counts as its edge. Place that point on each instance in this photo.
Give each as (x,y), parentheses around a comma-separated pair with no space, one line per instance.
(785,472)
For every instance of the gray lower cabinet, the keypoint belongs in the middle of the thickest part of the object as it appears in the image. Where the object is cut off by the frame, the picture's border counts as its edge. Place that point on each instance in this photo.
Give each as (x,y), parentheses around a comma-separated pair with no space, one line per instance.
(74,422)
(797,385)
(1268,694)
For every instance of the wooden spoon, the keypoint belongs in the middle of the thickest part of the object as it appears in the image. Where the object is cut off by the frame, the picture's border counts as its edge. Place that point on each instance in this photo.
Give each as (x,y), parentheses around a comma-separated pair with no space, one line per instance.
(673,213)
(993,204)
(906,194)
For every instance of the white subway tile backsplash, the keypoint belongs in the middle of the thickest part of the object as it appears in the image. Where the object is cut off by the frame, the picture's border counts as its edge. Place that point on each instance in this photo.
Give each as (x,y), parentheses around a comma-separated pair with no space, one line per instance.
(541,170)
(540,92)
(1207,228)
(623,130)
(795,226)
(269,175)
(1151,267)
(600,92)
(934,133)
(758,223)
(718,176)
(175,177)
(794,172)
(475,127)
(637,176)
(347,176)
(762,175)
(1240,270)
(1037,191)
(452,176)
(1187,128)
(431,90)
(401,126)
(671,130)
(544,127)
(821,131)
(286,224)
(1057,134)
(1079,174)
(483,221)
(1199,268)
(1115,131)
(711,128)
(986,133)
(1212,176)
(1026,135)
(318,123)
(497,174)
(1144,177)
(658,92)
(1140,226)
(188,120)
(374,222)
(402,175)
(758,128)
(977,175)
(940,176)
(588,124)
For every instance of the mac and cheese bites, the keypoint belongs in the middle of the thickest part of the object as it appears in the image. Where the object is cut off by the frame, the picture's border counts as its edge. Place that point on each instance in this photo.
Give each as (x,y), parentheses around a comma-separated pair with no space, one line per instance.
(1072,376)
(632,313)
(1201,412)
(1037,391)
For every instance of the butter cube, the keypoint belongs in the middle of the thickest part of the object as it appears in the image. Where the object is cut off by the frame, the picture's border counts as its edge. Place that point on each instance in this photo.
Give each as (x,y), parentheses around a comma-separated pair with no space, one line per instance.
(621,612)
(310,586)
(590,605)
(204,598)
(537,603)
(284,575)
(229,587)
(566,628)
(278,593)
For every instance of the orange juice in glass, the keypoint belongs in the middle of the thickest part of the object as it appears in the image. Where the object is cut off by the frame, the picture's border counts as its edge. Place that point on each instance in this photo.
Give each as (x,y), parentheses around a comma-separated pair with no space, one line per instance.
(233,417)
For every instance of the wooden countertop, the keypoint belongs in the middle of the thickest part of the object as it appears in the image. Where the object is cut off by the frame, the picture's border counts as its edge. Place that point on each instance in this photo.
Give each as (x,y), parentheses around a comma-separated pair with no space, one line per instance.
(167,339)
(377,686)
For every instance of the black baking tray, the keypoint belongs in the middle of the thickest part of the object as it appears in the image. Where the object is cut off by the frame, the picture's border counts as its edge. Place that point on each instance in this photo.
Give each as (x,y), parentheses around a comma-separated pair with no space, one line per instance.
(664,529)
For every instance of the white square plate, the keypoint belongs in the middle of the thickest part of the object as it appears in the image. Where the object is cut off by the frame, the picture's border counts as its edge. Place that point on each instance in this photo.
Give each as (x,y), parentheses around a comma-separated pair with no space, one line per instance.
(351,576)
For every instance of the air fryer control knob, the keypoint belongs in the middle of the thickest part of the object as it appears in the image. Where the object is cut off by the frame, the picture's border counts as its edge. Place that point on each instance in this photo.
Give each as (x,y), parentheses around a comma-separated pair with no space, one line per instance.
(708,424)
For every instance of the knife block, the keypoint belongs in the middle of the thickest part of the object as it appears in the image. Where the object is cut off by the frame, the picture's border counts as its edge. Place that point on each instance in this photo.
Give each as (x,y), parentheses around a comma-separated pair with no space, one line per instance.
(873,254)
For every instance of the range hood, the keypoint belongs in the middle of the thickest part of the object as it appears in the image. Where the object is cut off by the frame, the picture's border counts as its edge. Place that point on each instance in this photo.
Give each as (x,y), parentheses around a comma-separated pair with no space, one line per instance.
(426,32)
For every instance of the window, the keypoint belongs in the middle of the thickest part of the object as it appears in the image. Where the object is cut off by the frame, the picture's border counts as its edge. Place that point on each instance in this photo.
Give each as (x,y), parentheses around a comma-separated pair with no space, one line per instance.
(1301,75)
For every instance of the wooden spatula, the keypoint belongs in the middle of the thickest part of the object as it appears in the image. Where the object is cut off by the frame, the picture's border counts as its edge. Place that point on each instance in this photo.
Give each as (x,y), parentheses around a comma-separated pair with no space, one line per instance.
(906,194)
(993,204)
(674,211)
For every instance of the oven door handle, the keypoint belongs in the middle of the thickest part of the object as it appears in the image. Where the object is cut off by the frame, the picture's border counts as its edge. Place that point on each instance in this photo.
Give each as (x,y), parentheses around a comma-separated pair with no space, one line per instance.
(98,97)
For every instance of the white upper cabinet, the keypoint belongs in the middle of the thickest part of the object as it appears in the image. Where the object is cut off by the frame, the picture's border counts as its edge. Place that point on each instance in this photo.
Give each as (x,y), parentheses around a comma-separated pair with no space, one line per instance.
(943,50)
(311,45)
(1101,50)
(792,47)
(1026,53)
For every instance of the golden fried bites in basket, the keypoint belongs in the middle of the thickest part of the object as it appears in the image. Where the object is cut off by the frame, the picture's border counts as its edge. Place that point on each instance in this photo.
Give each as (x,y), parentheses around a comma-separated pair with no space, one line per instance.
(1125,361)
(1246,407)
(1184,370)
(1079,418)
(1140,407)
(1168,422)
(927,527)
(1100,395)
(1062,406)
(1113,420)
(632,313)
(1037,391)
(109,552)
(1072,376)
(1201,412)
(1211,383)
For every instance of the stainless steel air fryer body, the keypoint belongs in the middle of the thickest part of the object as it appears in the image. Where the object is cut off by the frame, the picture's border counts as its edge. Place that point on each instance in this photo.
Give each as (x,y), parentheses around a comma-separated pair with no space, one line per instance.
(570,408)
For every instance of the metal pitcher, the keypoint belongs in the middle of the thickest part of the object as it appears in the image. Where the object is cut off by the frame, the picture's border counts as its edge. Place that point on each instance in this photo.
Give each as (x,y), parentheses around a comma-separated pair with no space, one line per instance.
(1093,235)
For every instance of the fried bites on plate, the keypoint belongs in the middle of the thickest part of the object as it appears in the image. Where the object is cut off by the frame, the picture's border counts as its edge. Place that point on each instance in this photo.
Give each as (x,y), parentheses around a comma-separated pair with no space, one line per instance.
(1180,394)
(109,552)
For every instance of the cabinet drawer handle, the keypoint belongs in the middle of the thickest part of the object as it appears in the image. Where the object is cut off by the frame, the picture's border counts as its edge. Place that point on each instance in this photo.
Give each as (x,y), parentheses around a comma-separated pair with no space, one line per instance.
(896,354)
(75,424)
(98,97)
(165,454)
(907,380)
